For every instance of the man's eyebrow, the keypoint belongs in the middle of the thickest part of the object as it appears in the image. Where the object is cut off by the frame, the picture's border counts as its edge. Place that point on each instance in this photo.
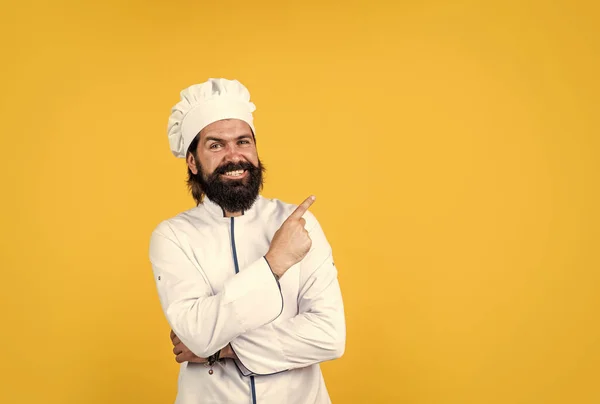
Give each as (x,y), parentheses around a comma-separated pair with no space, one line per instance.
(218,139)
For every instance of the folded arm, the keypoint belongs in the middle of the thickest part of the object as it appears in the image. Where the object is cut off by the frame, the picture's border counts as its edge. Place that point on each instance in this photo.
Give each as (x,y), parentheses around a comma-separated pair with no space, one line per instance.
(207,322)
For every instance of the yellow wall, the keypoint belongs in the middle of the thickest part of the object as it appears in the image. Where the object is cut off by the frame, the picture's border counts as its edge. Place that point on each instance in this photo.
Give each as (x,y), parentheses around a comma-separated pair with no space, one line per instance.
(453,148)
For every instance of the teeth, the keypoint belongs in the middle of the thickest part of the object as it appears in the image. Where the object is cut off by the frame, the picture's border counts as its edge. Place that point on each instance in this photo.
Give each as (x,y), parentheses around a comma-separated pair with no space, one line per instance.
(236,173)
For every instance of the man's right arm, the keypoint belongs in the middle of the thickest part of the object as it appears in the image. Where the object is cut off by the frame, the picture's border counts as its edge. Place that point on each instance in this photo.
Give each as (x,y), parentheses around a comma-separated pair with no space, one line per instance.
(206,323)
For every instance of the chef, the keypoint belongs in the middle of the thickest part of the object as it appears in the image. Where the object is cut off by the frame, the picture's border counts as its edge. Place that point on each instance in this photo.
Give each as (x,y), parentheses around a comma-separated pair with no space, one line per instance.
(248,284)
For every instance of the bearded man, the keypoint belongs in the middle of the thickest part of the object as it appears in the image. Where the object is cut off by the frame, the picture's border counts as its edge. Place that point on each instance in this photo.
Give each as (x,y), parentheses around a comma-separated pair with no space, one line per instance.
(248,284)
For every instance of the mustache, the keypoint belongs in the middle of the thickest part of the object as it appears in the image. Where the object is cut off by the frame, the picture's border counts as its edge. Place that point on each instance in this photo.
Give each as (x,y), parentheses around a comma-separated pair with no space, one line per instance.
(242,165)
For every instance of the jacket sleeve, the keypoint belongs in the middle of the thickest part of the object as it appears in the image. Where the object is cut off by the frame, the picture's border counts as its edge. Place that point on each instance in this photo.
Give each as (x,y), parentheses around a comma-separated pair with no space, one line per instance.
(316,334)
(206,322)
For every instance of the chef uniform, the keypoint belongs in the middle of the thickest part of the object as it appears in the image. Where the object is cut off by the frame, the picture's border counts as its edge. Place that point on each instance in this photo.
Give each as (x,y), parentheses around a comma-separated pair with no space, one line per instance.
(216,287)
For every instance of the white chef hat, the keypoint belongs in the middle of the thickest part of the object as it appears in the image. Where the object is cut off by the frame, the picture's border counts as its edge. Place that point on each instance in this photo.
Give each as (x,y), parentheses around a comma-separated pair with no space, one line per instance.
(203,104)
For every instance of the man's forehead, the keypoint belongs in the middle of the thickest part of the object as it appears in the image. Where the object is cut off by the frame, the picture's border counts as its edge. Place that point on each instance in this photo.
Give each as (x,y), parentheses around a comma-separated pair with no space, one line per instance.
(226,128)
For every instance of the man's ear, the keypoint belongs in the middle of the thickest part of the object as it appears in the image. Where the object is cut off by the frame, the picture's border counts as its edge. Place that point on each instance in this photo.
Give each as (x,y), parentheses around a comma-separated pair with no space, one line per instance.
(191,163)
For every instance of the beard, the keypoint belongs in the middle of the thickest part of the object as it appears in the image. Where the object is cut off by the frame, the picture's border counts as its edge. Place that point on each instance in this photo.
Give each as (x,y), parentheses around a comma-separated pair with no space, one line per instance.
(230,194)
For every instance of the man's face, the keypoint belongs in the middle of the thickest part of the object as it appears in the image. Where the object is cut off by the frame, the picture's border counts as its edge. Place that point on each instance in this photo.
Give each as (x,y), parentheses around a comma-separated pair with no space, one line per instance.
(231,172)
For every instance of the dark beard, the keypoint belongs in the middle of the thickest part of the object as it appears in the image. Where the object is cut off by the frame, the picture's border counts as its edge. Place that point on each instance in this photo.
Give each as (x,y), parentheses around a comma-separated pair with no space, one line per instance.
(233,195)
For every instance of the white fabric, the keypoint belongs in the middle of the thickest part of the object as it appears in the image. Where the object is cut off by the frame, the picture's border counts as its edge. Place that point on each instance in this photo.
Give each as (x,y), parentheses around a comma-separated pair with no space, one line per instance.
(280,331)
(203,104)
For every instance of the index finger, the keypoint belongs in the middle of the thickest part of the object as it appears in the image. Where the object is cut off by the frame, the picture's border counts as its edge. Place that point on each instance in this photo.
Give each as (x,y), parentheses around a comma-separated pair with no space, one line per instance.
(303,207)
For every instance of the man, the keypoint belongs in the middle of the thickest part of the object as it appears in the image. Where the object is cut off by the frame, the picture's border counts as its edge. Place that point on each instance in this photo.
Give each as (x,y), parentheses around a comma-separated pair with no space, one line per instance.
(247,284)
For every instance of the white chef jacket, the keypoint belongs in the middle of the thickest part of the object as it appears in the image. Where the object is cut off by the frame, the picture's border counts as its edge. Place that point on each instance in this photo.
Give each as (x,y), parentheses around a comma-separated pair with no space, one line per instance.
(216,288)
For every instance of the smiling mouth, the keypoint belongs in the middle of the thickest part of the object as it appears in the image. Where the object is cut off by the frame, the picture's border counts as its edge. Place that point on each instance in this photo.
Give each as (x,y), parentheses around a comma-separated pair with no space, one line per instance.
(235,174)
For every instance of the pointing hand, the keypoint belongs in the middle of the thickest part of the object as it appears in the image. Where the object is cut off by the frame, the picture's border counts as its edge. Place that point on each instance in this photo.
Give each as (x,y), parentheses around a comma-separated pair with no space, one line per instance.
(291,242)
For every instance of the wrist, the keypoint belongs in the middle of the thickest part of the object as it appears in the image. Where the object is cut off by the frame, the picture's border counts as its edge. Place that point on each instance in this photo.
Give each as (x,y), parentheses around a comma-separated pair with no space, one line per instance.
(277,269)
(227,352)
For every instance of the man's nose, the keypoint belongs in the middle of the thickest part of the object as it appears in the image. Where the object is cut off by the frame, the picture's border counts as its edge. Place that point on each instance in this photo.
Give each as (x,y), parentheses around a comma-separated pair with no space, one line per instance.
(233,154)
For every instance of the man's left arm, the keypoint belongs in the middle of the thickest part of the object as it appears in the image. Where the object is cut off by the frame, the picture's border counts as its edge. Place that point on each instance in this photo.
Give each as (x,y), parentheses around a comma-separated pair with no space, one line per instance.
(316,334)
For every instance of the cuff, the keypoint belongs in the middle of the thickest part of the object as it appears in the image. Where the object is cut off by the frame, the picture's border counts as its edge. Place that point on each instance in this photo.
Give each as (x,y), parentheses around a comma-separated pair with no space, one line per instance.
(255,295)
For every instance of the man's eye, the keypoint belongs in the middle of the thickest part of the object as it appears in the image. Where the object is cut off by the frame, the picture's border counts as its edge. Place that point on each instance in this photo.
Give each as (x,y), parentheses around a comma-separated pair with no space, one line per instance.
(215,145)
(244,142)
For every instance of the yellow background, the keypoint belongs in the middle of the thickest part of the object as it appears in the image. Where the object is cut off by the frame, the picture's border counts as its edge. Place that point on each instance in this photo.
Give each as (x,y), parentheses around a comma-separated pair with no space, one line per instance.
(453,148)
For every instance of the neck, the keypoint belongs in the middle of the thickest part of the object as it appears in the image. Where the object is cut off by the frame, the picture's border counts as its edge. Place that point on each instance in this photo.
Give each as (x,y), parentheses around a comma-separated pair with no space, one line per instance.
(231,214)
